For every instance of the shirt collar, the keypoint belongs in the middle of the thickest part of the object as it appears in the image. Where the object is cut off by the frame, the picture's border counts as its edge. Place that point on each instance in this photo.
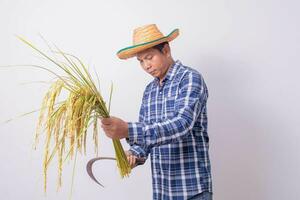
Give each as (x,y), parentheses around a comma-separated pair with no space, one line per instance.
(171,71)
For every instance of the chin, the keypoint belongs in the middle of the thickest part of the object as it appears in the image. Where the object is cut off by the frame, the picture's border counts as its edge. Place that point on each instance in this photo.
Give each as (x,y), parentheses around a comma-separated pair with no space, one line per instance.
(154,75)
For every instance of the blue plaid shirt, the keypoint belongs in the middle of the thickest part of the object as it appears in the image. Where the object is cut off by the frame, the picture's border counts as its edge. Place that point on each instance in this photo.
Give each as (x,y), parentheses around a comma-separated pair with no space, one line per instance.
(172,128)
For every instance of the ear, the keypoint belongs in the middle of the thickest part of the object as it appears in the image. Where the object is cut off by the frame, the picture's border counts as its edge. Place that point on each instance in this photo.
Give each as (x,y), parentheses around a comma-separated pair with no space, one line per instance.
(167,50)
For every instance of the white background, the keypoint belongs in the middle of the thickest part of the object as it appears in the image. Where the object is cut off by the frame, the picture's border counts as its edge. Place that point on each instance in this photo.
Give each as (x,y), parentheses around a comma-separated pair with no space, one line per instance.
(247,51)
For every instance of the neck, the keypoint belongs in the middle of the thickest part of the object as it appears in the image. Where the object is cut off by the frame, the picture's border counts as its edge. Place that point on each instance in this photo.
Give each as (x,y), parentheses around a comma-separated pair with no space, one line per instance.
(170,62)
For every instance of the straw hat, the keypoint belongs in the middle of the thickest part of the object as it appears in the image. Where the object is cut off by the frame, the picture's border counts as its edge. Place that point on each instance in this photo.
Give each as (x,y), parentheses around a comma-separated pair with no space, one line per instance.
(146,37)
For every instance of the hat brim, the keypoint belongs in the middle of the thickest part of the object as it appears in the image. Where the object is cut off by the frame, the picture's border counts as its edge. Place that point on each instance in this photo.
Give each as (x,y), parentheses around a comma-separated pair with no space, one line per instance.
(131,51)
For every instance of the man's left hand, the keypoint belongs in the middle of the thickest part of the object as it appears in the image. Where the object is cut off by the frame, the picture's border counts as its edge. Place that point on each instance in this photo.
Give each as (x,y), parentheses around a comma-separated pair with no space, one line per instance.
(114,127)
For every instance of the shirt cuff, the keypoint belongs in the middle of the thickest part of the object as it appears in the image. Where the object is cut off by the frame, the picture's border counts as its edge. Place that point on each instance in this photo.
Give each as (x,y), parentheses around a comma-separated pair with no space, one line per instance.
(135,133)
(137,151)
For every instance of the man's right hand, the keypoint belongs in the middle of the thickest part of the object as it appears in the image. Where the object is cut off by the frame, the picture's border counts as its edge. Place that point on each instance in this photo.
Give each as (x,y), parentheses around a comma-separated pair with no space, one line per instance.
(131,159)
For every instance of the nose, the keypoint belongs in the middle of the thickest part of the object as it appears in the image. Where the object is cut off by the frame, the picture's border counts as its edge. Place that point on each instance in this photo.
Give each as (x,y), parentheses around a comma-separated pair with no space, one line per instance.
(147,66)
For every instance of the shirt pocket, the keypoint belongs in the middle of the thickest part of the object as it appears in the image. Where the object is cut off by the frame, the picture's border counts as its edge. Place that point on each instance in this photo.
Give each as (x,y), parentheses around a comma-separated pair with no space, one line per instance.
(169,106)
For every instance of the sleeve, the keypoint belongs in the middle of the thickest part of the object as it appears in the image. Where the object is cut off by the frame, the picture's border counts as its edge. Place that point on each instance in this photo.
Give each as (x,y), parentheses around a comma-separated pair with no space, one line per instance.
(139,151)
(192,95)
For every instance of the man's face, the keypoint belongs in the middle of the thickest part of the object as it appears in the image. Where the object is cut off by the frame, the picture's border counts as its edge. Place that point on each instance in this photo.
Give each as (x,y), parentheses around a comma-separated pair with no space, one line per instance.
(154,62)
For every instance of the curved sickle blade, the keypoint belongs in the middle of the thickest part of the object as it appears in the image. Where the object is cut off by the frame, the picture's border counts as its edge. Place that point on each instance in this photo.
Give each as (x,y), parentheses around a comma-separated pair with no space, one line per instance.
(89,167)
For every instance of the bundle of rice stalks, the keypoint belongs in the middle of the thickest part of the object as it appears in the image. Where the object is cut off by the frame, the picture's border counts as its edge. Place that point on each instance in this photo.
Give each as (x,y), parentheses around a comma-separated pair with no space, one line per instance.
(65,123)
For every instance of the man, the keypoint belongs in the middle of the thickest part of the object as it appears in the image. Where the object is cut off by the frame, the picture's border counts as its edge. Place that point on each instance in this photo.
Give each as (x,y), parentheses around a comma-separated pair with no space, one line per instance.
(172,125)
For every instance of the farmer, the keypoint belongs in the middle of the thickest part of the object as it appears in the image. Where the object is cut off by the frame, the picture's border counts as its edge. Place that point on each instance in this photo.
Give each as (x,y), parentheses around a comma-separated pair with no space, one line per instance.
(172,126)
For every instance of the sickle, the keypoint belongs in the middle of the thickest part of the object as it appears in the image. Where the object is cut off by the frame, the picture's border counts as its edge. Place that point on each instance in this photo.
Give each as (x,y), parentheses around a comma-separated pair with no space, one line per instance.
(89,166)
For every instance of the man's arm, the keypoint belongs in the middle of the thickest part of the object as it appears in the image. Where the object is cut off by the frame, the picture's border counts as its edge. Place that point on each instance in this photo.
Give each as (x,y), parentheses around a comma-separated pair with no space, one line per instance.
(137,150)
(188,105)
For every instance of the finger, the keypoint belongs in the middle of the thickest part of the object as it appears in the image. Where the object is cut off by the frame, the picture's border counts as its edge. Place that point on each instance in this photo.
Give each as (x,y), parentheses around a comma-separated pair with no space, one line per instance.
(128,153)
(108,134)
(134,161)
(131,161)
(106,127)
(106,121)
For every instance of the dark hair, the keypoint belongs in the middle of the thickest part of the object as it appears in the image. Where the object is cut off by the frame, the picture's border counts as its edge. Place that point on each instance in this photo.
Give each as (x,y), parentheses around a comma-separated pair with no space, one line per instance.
(160,46)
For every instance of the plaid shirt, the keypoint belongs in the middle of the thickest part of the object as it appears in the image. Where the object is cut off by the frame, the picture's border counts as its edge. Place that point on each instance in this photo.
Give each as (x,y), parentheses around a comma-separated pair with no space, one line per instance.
(172,128)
